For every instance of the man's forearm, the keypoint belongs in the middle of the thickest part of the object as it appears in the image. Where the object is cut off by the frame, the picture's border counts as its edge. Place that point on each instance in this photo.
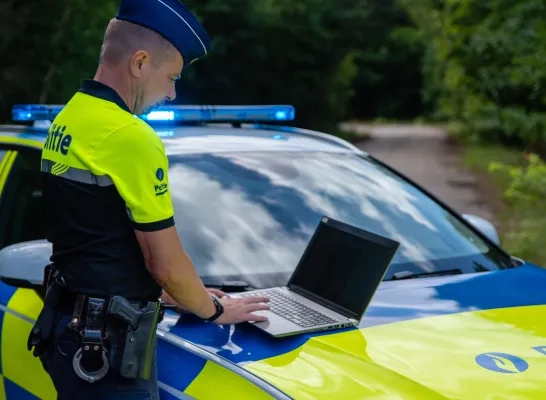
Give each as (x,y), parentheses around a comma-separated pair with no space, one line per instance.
(166,298)
(173,270)
(184,288)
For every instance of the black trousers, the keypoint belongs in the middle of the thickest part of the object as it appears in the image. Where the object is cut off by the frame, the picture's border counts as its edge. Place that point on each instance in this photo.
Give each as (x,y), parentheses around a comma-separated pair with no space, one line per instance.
(57,362)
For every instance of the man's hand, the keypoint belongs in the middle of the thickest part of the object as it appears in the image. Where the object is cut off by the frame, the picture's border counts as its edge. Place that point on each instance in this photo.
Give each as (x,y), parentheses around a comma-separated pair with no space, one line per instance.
(238,310)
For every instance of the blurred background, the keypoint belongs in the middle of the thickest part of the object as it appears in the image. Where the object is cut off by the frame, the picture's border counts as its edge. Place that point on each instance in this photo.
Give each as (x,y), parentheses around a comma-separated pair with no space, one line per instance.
(452,92)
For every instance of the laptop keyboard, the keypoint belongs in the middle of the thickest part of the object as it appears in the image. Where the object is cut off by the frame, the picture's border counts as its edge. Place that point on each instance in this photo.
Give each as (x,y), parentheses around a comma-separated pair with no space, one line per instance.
(292,310)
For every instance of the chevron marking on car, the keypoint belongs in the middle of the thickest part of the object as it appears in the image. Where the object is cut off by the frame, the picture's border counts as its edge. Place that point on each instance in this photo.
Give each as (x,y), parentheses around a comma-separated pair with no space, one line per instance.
(371,357)
(432,358)
(180,370)
(5,167)
(22,310)
(276,360)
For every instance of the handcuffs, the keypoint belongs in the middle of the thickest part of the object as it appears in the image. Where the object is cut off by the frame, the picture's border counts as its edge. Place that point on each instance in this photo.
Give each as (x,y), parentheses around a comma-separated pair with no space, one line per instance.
(135,358)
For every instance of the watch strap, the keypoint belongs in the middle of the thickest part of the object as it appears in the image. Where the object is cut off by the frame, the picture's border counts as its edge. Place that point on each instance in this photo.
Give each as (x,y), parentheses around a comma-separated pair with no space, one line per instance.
(219,309)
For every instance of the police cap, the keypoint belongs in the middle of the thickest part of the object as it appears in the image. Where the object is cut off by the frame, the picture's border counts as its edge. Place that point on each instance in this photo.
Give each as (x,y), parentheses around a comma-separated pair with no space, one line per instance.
(172,20)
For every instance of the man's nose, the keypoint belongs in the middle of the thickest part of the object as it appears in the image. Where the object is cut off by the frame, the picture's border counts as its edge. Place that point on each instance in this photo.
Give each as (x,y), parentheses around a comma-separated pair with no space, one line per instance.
(172,95)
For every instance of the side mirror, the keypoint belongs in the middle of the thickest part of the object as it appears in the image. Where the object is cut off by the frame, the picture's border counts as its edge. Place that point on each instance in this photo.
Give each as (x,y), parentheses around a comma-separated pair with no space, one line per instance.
(484,226)
(22,264)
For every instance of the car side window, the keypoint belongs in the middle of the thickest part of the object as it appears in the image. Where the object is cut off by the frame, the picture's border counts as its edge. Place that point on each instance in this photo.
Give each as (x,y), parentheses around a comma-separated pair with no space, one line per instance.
(21,209)
(2,154)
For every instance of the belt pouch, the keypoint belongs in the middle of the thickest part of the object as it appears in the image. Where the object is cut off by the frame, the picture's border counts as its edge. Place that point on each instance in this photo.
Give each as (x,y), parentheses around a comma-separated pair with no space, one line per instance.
(41,333)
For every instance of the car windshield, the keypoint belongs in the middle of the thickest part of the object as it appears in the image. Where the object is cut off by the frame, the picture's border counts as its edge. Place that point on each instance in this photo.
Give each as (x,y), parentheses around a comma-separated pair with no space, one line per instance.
(249,216)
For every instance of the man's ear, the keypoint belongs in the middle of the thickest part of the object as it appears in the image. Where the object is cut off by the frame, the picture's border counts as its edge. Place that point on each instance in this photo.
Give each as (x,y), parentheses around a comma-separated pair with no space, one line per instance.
(138,60)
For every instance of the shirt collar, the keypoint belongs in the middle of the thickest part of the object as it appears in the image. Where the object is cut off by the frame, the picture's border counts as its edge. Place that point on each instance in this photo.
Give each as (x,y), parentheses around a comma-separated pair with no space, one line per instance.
(102,91)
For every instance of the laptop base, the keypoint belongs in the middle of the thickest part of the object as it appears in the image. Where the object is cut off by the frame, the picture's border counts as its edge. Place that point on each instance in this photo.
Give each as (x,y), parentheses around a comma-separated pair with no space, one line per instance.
(278,326)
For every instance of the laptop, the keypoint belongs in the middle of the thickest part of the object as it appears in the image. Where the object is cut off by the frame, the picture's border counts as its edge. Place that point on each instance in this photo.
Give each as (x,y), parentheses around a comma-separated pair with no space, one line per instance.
(333,283)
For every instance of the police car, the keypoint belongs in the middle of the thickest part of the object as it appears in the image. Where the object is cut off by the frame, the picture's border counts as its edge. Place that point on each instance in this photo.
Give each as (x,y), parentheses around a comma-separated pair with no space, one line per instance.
(455,317)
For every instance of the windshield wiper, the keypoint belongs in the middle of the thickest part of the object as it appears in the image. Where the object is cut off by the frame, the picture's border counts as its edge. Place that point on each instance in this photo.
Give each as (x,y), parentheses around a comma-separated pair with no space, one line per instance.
(229,286)
(412,275)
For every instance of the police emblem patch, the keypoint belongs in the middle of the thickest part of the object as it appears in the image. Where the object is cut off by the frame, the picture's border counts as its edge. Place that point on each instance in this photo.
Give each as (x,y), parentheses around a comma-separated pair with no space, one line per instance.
(159,174)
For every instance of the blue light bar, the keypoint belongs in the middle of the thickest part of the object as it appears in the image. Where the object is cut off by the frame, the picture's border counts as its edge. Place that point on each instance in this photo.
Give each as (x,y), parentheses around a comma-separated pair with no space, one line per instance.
(191,113)
(176,114)
(35,112)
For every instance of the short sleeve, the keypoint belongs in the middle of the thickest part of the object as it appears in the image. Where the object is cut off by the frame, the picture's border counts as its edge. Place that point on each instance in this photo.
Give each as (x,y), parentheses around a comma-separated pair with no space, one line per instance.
(134,158)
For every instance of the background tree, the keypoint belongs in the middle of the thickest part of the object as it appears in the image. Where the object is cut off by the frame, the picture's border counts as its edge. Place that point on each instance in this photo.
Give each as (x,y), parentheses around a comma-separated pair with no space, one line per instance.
(332,60)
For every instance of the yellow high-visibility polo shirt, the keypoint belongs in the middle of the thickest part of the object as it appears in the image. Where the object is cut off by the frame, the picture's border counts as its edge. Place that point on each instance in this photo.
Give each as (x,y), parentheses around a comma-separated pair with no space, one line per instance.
(105,175)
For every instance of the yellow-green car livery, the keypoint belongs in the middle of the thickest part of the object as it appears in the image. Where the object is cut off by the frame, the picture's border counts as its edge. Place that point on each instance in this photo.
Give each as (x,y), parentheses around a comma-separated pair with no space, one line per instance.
(463,322)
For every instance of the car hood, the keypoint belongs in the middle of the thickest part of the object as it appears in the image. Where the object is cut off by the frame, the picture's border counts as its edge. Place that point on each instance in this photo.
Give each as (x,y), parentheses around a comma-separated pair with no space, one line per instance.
(458,337)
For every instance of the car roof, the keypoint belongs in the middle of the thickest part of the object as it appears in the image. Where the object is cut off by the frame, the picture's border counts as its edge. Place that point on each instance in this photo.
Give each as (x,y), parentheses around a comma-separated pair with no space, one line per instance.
(213,138)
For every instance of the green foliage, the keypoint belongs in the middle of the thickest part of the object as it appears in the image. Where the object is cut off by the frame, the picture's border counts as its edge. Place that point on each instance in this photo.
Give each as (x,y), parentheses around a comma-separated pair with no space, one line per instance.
(48,50)
(520,179)
(331,60)
(525,219)
(527,183)
(389,64)
(484,65)
(327,58)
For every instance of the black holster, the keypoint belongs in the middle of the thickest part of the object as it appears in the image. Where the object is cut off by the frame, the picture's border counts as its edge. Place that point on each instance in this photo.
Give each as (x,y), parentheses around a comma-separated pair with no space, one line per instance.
(139,347)
(41,333)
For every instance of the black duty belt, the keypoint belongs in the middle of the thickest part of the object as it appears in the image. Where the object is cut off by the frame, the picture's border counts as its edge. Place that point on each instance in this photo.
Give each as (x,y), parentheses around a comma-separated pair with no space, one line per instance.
(69,299)
(112,332)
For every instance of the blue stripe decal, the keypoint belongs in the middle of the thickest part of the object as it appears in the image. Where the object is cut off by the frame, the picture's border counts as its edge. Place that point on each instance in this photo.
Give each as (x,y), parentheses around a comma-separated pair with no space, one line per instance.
(241,343)
(177,368)
(16,392)
(394,302)
(508,288)
(6,292)
(522,286)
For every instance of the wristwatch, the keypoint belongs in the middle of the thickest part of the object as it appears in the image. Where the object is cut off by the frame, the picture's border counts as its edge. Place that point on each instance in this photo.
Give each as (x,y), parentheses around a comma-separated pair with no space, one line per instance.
(219,309)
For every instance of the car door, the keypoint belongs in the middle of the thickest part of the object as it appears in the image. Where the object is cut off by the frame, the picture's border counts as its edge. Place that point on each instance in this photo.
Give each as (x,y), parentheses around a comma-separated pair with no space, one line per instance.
(22,375)
(21,213)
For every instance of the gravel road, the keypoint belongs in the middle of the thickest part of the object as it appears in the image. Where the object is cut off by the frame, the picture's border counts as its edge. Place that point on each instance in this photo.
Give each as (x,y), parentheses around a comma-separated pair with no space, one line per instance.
(424,154)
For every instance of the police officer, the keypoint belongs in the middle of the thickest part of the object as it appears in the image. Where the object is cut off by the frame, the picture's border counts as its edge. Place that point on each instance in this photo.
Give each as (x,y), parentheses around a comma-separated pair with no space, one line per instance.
(110,216)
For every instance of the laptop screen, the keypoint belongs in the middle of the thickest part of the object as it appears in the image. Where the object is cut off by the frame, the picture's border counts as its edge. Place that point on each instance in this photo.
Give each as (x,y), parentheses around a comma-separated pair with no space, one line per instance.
(344,268)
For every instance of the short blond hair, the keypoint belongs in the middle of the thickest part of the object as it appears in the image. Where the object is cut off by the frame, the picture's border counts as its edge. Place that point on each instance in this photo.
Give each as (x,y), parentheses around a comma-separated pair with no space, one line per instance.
(123,38)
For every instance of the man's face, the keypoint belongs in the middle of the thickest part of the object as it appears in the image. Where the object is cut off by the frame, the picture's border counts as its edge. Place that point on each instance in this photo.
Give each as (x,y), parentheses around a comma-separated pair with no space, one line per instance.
(156,83)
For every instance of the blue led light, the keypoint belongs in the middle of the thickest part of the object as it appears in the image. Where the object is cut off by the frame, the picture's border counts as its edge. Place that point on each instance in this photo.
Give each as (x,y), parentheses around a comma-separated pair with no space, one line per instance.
(159,116)
(175,114)
(35,112)
(280,115)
